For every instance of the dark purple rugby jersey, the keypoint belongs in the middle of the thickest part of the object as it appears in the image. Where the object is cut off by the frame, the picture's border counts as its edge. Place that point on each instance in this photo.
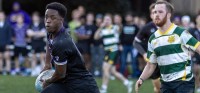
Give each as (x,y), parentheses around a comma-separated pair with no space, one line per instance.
(144,34)
(64,51)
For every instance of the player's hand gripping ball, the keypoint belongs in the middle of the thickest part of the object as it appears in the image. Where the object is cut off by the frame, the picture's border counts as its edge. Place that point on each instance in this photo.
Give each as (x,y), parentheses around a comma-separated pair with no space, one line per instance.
(43,76)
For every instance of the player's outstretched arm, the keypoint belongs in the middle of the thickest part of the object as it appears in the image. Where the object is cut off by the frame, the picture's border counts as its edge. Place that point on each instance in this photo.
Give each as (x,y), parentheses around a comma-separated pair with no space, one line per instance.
(148,70)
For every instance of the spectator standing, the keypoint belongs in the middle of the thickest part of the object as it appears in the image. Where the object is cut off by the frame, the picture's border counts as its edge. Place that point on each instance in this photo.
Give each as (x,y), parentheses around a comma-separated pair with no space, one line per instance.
(127,36)
(5,40)
(97,51)
(37,34)
(20,42)
(185,22)
(83,34)
(16,11)
(74,23)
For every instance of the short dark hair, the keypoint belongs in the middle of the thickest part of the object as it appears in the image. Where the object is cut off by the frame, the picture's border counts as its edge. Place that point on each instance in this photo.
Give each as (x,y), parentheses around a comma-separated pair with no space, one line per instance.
(62,10)
(169,6)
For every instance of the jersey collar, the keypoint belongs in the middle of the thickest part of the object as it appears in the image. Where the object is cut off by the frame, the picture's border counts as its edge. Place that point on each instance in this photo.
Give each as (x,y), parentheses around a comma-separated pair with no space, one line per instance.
(168,30)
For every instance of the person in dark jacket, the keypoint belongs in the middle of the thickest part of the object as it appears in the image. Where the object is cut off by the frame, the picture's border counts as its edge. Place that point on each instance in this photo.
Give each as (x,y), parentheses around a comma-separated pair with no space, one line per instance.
(5,40)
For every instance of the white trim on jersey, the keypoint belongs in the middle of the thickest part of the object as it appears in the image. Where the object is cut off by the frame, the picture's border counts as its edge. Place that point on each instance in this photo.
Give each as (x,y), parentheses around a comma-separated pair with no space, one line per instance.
(138,40)
(172,59)
(60,63)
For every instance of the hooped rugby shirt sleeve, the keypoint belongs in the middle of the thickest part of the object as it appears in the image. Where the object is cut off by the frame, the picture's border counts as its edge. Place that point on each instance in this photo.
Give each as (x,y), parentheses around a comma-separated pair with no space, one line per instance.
(151,56)
(189,41)
(59,53)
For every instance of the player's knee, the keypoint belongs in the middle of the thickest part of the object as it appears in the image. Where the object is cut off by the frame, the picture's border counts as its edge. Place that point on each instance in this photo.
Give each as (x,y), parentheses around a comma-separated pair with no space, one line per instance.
(7,57)
(106,75)
(113,70)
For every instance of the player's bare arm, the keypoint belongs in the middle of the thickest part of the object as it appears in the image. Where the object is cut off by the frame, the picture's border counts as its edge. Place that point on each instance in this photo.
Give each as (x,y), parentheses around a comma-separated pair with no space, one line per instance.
(148,70)
(60,71)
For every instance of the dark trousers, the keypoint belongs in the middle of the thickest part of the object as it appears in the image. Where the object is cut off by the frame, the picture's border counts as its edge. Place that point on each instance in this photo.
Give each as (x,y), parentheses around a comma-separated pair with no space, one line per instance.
(79,85)
(178,87)
(128,49)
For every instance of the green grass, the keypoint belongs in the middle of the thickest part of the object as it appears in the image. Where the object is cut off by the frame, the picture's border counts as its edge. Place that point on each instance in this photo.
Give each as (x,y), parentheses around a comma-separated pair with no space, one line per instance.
(19,84)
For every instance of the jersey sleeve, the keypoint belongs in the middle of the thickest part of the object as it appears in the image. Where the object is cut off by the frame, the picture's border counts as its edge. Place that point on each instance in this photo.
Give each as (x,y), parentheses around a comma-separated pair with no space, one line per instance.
(141,34)
(151,56)
(189,41)
(59,56)
(61,51)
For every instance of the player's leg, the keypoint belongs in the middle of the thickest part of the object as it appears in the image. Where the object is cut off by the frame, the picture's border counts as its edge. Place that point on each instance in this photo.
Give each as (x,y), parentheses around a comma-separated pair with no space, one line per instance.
(35,55)
(156,85)
(17,51)
(8,61)
(112,59)
(33,64)
(125,81)
(106,75)
(42,58)
(27,62)
(42,54)
(117,74)
(1,62)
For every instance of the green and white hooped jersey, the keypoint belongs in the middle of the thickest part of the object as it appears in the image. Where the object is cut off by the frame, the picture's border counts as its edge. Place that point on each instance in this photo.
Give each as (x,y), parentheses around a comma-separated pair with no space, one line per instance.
(171,50)
(110,37)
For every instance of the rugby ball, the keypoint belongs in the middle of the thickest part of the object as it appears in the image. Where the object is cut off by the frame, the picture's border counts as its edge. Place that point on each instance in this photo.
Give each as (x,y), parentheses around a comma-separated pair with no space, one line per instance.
(44,75)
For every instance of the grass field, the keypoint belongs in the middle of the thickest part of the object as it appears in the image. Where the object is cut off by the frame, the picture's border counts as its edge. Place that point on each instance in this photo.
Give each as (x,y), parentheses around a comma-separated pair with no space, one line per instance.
(19,84)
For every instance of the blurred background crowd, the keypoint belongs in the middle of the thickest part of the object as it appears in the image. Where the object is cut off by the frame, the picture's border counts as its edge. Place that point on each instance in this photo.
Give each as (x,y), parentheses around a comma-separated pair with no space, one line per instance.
(23,37)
